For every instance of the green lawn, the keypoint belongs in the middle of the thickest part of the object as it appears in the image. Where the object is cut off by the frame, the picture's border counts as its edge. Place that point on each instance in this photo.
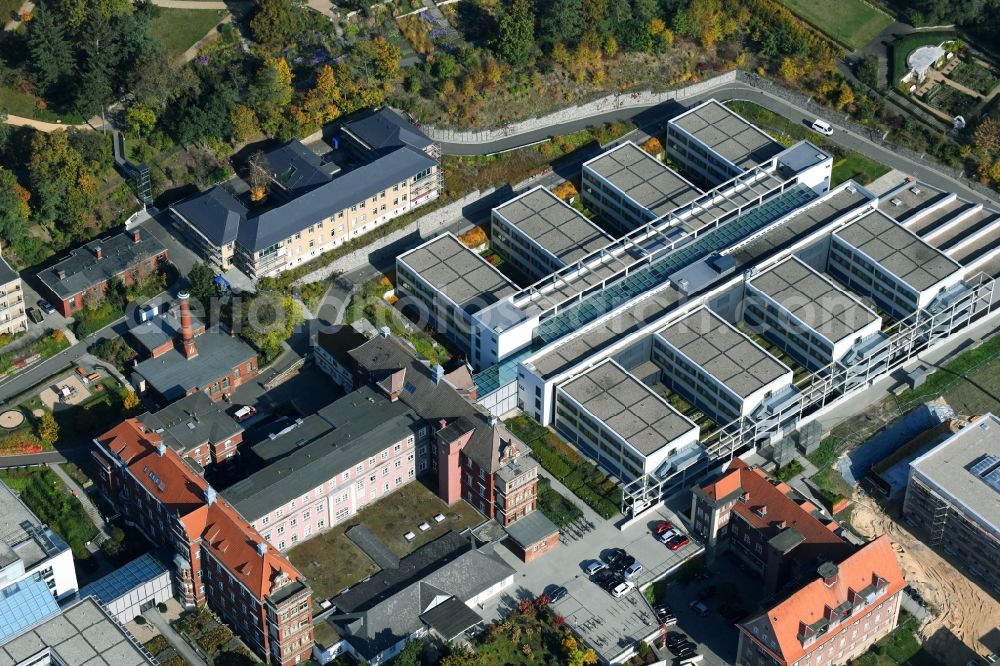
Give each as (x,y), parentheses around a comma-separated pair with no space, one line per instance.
(904,46)
(22,104)
(853,23)
(332,562)
(179,29)
(899,647)
(858,167)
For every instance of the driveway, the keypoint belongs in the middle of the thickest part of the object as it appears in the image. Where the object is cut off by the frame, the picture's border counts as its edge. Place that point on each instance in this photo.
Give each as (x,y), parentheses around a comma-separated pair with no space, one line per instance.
(608,625)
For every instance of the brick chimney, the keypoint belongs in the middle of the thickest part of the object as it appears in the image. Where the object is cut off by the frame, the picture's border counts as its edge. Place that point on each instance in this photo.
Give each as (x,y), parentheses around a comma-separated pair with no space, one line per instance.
(136,235)
(98,252)
(187,339)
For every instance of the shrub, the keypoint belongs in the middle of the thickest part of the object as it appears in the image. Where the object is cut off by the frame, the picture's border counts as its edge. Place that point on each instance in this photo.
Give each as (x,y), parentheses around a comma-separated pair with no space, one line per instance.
(156,645)
(474,237)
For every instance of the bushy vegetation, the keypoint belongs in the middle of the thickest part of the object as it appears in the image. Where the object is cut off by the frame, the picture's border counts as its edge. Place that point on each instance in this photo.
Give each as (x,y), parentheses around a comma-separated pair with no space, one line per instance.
(789,471)
(51,501)
(578,474)
(48,345)
(554,506)
(99,309)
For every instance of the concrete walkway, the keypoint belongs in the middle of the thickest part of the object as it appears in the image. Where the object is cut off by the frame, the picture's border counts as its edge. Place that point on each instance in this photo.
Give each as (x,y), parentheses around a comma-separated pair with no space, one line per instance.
(175,639)
(41,125)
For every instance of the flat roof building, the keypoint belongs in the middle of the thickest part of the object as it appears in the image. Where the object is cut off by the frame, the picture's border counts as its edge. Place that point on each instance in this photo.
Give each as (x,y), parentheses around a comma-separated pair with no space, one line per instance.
(83,633)
(29,548)
(449,283)
(717,143)
(619,422)
(630,187)
(883,260)
(953,497)
(540,233)
(716,367)
(805,314)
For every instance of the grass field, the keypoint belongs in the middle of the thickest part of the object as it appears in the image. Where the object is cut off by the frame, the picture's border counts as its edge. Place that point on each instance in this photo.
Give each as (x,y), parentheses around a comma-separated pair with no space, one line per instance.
(857,167)
(22,104)
(853,23)
(179,29)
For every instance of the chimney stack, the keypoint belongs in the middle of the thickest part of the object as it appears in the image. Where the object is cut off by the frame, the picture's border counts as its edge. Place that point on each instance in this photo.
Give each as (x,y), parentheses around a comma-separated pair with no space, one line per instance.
(136,235)
(98,252)
(60,274)
(187,338)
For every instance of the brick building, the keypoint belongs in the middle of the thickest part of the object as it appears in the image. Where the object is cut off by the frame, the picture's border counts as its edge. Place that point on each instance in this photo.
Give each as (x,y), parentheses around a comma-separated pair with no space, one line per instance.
(471,455)
(184,356)
(197,429)
(219,558)
(834,618)
(88,270)
(779,534)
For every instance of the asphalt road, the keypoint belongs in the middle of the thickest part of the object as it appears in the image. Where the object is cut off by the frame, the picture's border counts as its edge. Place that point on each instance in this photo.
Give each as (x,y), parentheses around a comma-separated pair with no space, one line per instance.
(653,117)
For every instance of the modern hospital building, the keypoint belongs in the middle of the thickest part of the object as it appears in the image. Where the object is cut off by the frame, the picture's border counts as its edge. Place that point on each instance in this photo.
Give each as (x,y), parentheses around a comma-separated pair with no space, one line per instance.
(709,311)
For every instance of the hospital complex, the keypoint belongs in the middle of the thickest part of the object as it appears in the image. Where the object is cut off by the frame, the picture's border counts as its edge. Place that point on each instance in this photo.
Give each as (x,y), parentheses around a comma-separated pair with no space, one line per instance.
(700,316)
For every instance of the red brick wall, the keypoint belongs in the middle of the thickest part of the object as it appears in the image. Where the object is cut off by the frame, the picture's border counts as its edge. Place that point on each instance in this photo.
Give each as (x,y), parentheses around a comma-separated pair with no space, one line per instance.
(534,550)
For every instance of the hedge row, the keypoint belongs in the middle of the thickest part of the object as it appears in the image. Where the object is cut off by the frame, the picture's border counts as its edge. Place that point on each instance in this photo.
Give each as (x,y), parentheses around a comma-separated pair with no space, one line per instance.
(577,473)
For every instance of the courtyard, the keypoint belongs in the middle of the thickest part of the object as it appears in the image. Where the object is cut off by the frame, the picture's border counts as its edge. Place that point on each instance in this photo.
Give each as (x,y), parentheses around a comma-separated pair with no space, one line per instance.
(332,562)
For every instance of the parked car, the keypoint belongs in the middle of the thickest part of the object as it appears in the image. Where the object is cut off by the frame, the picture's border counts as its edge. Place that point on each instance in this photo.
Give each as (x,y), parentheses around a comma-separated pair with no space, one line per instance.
(594,566)
(623,563)
(678,542)
(613,555)
(822,127)
(243,413)
(622,589)
(699,608)
(46,307)
(34,315)
(662,526)
(604,576)
(632,571)
(556,593)
(668,535)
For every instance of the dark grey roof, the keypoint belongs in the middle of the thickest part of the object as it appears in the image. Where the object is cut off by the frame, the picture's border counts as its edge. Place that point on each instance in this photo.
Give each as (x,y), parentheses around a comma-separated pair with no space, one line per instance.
(340,342)
(162,328)
(83,270)
(216,213)
(451,618)
(280,222)
(531,529)
(7,274)
(336,438)
(192,421)
(385,129)
(173,376)
(432,401)
(412,568)
(388,607)
(297,168)
(373,547)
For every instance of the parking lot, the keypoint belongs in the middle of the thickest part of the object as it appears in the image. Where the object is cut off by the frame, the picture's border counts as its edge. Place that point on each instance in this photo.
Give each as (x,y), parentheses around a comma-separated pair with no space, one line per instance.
(608,625)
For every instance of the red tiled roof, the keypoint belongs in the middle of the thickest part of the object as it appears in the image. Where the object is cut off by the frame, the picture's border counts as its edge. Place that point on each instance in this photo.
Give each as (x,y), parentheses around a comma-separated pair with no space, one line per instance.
(809,604)
(780,507)
(229,537)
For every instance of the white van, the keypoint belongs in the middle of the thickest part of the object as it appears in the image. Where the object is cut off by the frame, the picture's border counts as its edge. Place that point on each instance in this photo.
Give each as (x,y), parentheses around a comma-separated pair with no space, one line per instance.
(822,127)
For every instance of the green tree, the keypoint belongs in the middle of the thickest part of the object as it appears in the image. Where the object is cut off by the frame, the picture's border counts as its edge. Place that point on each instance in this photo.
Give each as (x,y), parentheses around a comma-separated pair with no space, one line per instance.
(200,278)
(14,210)
(243,121)
(65,185)
(272,93)
(140,120)
(276,23)
(516,35)
(269,319)
(412,654)
(47,428)
(51,53)
(561,21)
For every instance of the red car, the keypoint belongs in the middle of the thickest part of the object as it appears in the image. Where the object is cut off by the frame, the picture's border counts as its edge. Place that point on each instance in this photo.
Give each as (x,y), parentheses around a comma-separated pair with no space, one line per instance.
(678,542)
(662,526)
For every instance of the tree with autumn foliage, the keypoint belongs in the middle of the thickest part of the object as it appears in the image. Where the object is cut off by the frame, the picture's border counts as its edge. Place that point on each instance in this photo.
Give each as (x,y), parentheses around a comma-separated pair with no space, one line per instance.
(272,93)
(243,123)
(565,190)
(64,184)
(14,209)
(322,101)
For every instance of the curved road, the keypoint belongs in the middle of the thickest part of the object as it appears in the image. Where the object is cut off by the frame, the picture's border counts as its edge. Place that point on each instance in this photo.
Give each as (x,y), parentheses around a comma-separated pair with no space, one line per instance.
(655,116)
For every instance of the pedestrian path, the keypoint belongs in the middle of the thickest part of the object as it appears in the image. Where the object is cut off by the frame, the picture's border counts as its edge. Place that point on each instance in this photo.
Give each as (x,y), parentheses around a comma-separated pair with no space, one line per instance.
(89,507)
(175,639)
